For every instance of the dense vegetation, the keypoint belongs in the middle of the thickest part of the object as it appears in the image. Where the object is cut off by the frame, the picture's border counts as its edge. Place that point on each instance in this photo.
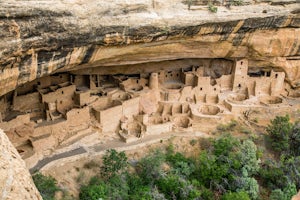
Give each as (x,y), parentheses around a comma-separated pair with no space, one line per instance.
(46,185)
(228,168)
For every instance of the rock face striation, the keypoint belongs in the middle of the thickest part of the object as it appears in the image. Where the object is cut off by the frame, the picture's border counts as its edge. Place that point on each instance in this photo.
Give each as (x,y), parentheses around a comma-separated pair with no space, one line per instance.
(71,69)
(15,180)
(38,38)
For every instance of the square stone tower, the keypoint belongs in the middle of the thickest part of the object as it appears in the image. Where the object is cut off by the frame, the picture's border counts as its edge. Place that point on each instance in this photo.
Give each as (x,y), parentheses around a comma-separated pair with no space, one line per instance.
(240,74)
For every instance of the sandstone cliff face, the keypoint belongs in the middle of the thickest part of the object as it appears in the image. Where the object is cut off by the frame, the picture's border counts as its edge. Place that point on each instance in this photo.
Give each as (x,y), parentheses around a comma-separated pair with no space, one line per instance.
(15,180)
(38,38)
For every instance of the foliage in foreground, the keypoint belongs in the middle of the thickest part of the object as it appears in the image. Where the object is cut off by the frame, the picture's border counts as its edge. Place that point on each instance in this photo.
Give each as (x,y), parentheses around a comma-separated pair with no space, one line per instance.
(46,185)
(225,170)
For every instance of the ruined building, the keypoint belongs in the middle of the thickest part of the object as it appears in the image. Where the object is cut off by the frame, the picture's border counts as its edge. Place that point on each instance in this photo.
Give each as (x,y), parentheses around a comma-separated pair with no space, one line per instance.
(78,75)
(56,111)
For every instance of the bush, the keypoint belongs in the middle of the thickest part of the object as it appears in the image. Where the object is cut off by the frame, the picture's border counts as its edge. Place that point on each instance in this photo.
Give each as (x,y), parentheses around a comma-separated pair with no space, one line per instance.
(237,2)
(209,172)
(118,187)
(46,185)
(149,168)
(114,163)
(287,193)
(193,142)
(250,186)
(242,195)
(273,175)
(279,131)
(294,141)
(175,187)
(93,192)
(91,164)
(212,8)
(224,145)
(180,164)
(248,157)
(227,127)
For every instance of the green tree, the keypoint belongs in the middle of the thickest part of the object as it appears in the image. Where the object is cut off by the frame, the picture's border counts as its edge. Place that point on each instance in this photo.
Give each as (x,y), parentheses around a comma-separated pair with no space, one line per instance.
(250,186)
(225,144)
(248,157)
(273,175)
(175,187)
(291,168)
(294,141)
(180,164)
(242,195)
(279,131)
(149,168)
(95,190)
(46,185)
(118,187)
(114,163)
(287,193)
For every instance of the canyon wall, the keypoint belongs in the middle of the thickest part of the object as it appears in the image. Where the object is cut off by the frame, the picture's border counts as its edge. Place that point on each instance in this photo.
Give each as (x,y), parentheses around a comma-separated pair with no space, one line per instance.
(42,37)
(15,180)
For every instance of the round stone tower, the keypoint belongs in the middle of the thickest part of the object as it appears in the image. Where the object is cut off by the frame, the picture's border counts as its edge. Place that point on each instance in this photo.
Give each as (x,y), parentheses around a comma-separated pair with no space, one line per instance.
(153,81)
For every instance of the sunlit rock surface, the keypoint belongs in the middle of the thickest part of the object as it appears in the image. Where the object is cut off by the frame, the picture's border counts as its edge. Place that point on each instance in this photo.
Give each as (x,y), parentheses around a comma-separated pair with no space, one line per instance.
(42,37)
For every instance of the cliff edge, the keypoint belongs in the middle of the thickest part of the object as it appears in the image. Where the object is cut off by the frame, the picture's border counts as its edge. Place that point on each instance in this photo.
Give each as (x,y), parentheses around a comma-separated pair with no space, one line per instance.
(15,180)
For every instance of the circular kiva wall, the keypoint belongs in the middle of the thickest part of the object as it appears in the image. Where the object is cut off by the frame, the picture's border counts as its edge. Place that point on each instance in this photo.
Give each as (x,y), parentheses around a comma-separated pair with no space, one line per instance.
(158,119)
(237,98)
(209,110)
(136,88)
(134,128)
(182,121)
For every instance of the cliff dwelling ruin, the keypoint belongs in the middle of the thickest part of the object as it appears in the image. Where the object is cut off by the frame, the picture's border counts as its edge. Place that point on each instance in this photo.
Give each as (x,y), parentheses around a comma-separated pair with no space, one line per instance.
(80,77)
(51,114)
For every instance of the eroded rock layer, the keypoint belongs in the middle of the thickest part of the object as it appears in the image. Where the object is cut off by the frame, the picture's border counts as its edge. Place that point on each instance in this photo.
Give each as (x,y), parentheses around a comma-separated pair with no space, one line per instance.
(15,180)
(42,37)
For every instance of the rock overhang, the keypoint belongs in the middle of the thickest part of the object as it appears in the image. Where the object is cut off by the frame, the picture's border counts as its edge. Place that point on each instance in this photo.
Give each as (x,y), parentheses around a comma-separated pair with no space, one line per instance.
(40,38)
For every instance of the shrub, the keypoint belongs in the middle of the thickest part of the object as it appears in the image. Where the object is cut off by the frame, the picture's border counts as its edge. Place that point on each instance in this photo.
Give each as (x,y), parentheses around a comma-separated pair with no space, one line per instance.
(209,172)
(114,163)
(149,168)
(91,164)
(118,187)
(279,131)
(273,175)
(212,8)
(227,127)
(287,193)
(245,130)
(250,186)
(156,195)
(237,2)
(294,141)
(46,185)
(193,142)
(224,145)
(93,192)
(242,195)
(248,157)
(291,168)
(175,187)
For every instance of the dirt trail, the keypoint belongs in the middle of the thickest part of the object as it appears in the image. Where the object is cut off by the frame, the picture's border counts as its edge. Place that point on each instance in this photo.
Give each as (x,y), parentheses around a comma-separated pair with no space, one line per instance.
(98,149)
